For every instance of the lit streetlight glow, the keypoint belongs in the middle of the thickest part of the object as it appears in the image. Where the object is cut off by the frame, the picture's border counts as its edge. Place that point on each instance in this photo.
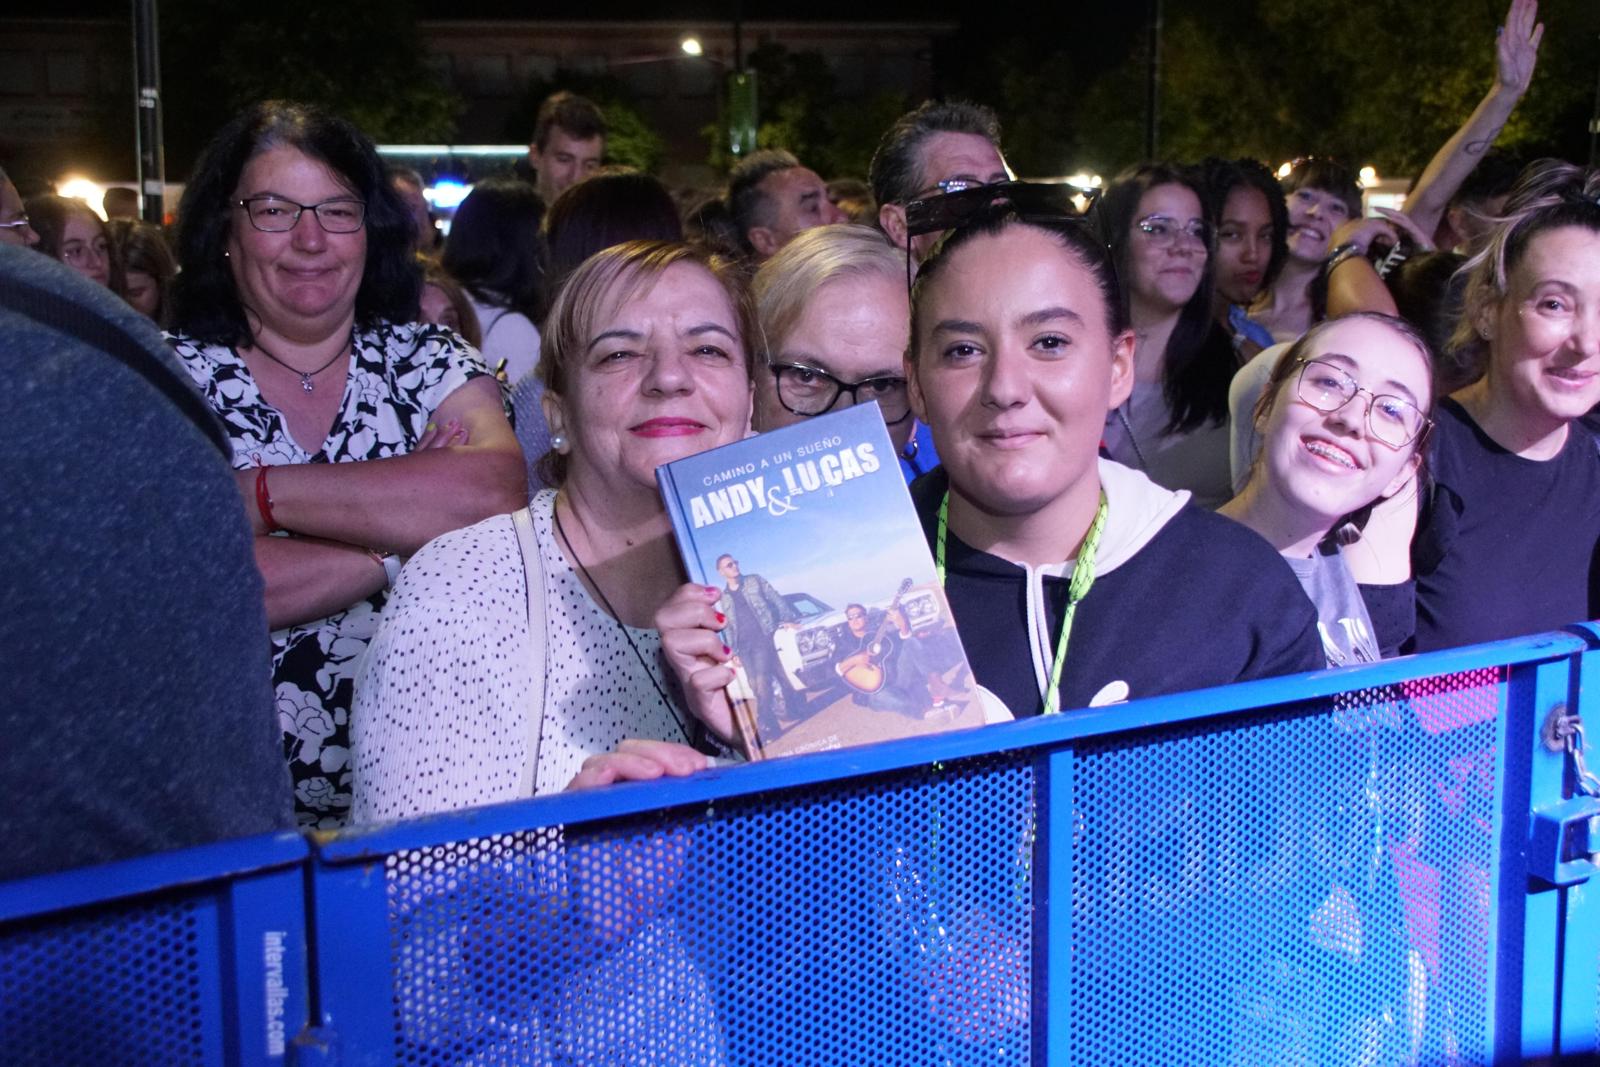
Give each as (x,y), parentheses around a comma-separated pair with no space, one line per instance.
(691,46)
(76,188)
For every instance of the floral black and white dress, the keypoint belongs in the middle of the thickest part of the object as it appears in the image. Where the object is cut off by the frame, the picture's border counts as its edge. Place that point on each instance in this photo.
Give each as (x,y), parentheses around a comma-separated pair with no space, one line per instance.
(400,375)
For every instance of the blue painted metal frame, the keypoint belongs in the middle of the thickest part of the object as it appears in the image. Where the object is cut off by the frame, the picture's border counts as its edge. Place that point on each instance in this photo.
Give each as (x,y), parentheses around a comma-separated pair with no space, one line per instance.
(251,939)
(350,885)
(310,937)
(363,845)
(47,893)
(1578,1028)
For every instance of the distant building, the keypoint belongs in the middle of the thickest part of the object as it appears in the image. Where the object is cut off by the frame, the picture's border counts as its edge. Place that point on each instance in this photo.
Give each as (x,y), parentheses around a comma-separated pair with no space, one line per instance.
(66,85)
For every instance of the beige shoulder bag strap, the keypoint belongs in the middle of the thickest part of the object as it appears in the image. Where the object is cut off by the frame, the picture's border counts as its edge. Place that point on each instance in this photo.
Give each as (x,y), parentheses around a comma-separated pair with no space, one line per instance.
(538,638)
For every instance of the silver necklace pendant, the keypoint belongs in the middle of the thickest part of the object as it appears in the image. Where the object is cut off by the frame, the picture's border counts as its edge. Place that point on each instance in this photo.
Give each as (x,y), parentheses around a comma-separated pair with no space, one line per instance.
(305,382)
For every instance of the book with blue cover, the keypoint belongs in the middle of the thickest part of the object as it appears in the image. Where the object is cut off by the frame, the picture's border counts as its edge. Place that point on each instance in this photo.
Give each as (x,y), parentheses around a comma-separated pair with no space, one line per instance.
(840,629)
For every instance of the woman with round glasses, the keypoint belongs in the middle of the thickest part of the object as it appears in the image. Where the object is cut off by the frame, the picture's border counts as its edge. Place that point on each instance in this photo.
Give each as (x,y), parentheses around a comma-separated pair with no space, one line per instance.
(70,231)
(1174,424)
(1341,422)
(834,314)
(357,434)
(1074,581)
(1508,534)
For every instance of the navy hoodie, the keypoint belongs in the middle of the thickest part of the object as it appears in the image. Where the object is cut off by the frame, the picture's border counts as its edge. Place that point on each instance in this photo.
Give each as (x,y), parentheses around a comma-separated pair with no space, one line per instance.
(1182,599)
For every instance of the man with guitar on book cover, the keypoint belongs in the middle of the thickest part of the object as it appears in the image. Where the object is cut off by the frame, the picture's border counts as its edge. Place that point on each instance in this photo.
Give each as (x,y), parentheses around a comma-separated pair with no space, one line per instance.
(754,610)
(887,665)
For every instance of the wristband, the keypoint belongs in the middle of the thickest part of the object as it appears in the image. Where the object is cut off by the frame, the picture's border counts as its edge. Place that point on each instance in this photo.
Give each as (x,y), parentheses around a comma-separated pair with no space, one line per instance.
(1340,254)
(264,501)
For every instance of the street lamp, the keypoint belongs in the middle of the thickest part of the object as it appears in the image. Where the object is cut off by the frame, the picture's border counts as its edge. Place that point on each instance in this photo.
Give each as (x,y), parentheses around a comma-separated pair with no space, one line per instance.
(691,46)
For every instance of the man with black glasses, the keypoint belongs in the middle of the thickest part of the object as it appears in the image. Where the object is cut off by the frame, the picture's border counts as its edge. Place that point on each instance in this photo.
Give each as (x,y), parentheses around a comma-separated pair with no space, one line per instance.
(835,319)
(940,147)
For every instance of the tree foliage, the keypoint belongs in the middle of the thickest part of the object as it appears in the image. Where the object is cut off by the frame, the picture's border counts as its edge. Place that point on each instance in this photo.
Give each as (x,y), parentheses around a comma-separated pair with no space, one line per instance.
(1368,81)
(802,109)
(362,59)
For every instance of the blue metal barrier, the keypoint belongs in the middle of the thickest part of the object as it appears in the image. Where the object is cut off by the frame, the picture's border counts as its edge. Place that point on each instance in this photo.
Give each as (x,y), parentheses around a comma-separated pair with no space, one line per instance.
(189,957)
(1329,869)
(1374,865)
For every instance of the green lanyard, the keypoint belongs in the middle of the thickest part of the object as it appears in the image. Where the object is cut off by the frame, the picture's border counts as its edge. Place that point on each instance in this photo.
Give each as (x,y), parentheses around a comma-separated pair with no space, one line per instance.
(1077,588)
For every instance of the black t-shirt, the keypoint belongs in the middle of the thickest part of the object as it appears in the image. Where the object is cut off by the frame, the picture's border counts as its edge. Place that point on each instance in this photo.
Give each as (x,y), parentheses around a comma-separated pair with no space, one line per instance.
(1205,602)
(1506,544)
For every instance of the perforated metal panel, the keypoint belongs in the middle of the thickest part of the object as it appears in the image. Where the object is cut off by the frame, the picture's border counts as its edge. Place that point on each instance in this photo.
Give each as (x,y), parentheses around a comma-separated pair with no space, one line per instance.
(117,985)
(1309,888)
(884,922)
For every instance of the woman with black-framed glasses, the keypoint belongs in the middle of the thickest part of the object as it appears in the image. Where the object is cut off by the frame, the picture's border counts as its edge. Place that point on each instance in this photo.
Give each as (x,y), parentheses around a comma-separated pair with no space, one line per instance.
(358,434)
(1343,421)
(834,317)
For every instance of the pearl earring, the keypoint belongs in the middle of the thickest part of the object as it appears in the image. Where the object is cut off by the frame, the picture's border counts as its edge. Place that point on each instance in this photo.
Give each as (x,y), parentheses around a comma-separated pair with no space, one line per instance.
(558,441)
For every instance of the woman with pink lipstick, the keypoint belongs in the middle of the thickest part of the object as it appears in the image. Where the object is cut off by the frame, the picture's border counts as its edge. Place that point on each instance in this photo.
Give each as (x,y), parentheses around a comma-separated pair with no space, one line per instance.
(1341,421)
(1174,425)
(518,656)
(1508,534)
(357,434)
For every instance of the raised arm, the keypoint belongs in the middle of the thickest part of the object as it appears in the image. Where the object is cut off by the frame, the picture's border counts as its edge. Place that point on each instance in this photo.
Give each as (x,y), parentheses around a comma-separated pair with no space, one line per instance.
(1516,54)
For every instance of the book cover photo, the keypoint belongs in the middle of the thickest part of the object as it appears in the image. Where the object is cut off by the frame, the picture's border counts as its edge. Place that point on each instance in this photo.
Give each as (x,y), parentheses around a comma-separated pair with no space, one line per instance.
(840,630)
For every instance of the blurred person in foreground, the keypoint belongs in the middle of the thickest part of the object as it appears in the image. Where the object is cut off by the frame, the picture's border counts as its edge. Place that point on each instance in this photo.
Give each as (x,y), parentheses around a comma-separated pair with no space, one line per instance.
(357,434)
(138,717)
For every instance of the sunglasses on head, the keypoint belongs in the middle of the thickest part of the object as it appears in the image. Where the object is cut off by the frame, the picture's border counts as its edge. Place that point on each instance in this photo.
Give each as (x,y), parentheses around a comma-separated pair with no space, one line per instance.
(947,212)
(1029,200)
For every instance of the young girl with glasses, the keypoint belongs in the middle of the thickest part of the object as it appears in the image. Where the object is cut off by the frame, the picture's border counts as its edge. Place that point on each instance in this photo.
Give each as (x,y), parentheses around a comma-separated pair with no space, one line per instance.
(1342,420)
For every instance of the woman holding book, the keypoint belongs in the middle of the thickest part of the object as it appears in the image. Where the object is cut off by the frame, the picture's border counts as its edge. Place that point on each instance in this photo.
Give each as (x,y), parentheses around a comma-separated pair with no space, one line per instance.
(517,656)
(1074,581)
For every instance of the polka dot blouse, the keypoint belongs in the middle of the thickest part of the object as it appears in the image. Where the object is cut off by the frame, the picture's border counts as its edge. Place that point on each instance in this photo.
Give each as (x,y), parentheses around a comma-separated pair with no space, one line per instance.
(442,716)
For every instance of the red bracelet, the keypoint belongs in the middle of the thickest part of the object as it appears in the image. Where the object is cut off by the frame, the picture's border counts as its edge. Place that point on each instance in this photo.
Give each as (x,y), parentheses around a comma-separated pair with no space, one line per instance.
(264,501)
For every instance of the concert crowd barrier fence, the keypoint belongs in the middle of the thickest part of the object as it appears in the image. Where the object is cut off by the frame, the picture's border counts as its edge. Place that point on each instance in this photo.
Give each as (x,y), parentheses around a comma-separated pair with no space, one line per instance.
(1388,864)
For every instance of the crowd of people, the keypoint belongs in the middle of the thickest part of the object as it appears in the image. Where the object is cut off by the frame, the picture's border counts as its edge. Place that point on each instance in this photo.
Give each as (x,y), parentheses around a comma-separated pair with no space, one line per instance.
(1206,426)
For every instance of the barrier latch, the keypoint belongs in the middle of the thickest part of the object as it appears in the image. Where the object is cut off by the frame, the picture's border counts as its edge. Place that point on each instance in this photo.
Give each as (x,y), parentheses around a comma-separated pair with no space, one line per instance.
(1565,844)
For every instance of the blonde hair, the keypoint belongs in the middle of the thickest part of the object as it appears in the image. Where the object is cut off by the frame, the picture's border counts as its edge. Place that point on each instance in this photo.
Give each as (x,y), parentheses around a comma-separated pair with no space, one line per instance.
(615,276)
(1548,195)
(788,281)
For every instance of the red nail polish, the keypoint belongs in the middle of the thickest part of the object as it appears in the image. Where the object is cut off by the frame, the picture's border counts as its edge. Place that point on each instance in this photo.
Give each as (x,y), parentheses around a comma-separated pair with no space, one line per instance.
(711,591)
(721,618)
(726,651)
